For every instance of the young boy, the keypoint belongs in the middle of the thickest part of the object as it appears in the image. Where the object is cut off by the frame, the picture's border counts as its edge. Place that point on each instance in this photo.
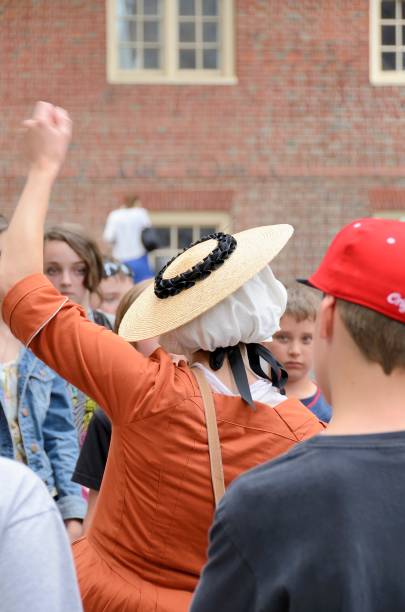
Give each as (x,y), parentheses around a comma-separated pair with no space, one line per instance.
(322,528)
(116,282)
(293,347)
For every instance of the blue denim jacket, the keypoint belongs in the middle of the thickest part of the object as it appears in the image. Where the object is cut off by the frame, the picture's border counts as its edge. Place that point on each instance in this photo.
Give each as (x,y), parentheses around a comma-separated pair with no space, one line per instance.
(47,430)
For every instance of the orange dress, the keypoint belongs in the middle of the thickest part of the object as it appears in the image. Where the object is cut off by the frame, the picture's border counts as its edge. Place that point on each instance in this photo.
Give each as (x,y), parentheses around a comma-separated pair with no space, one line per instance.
(149,537)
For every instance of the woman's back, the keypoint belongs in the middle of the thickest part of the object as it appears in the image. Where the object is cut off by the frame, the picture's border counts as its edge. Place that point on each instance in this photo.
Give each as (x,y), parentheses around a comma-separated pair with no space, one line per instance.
(157,522)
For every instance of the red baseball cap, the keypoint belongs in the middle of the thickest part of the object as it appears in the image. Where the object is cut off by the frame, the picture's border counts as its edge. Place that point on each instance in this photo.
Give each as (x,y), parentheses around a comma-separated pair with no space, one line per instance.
(365,264)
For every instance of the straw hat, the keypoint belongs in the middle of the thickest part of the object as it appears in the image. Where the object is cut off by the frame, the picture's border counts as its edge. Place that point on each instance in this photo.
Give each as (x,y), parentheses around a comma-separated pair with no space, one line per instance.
(152,316)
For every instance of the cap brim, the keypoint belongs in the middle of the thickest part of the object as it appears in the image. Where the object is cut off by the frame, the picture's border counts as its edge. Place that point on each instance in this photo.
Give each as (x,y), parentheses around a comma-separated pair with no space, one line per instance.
(305,281)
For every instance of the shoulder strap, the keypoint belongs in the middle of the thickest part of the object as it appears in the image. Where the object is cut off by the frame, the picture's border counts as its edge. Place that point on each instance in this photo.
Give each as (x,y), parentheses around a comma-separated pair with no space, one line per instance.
(214,445)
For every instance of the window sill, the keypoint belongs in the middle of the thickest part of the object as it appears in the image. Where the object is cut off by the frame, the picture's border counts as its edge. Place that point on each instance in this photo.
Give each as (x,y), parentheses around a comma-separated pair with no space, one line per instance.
(126,79)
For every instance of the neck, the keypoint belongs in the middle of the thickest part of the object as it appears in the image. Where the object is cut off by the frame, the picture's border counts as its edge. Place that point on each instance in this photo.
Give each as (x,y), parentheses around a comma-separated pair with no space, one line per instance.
(302,388)
(225,373)
(366,400)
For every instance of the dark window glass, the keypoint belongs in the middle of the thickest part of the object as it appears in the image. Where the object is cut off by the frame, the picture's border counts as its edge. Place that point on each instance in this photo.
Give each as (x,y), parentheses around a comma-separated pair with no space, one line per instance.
(164,236)
(210,7)
(150,7)
(403,35)
(151,59)
(210,32)
(187,59)
(151,31)
(187,31)
(210,59)
(388,61)
(187,7)
(388,10)
(184,237)
(403,61)
(128,58)
(161,261)
(204,231)
(403,10)
(388,35)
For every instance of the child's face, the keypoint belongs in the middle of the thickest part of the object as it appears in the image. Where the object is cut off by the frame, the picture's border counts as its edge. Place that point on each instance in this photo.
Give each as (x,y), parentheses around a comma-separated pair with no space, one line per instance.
(292,346)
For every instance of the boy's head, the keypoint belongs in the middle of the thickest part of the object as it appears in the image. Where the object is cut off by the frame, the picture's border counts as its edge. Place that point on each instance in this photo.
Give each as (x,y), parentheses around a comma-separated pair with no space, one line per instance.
(116,281)
(363,312)
(292,345)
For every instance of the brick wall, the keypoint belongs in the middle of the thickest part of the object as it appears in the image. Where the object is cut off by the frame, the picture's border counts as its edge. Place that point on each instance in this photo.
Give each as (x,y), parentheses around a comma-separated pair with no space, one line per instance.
(302,138)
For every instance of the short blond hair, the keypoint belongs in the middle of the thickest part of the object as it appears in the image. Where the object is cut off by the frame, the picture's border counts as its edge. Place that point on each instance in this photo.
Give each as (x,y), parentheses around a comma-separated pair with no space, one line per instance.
(302,304)
(380,339)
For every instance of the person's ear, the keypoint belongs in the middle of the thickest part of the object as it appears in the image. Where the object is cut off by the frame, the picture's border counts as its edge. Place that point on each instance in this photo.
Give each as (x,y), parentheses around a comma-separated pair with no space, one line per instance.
(326,316)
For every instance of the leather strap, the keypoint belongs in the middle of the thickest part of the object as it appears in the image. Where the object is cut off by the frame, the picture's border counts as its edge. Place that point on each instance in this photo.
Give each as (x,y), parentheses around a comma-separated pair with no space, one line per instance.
(214,445)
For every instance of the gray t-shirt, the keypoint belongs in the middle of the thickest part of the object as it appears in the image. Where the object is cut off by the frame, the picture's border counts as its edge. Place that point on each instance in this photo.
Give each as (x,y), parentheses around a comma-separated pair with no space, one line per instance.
(36,566)
(319,529)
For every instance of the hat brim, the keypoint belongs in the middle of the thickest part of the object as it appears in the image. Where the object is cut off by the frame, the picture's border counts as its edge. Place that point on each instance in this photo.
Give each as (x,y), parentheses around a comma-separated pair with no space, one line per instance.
(305,281)
(150,316)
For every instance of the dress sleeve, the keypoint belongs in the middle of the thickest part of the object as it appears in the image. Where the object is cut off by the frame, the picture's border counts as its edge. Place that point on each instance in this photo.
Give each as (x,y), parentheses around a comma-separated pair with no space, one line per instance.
(108,369)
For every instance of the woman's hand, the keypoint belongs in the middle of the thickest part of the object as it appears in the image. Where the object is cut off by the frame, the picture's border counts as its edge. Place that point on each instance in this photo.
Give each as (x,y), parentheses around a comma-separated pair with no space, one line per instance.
(47,137)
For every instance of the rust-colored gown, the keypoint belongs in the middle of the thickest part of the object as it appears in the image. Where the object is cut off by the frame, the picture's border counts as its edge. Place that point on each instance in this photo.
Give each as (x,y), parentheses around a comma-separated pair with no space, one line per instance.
(149,537)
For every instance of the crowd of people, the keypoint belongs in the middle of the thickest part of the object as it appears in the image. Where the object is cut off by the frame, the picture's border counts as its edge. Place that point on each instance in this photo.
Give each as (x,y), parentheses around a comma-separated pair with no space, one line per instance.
(207,439)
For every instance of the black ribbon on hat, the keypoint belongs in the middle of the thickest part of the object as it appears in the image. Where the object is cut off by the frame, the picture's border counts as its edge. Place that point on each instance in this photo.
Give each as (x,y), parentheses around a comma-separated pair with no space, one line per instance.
(278,375)
(167,287)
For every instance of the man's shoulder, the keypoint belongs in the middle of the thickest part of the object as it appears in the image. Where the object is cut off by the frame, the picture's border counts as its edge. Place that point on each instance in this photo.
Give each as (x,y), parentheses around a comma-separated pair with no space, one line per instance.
(283,474)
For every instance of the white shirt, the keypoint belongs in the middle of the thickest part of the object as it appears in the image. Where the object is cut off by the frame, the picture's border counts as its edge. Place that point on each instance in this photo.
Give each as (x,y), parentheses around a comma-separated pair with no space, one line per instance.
(36,565)
(261,390)
(123,229)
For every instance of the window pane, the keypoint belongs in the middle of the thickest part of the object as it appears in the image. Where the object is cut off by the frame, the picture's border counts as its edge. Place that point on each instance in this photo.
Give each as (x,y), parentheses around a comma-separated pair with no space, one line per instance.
(151,7)
(151,59)
(126,31)
(210,32)
(403,35)
(184,237)
(164,236)
(403,61)
(161,261)
(151,31)
(210,59)
(205,231)
(210,7)
(403,10)
(187,7)
(388,35)
(388,61)
(187,31)
(127,7)
(187,58)
(128,58)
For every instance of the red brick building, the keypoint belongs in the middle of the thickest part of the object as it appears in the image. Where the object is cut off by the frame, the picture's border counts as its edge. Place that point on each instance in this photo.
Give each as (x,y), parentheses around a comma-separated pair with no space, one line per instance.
(217,113)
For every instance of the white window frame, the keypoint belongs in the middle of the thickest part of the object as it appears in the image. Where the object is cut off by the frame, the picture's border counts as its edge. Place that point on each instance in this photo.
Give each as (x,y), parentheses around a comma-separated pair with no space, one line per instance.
(170,74)
(398,215)
(377,75)
(175,219)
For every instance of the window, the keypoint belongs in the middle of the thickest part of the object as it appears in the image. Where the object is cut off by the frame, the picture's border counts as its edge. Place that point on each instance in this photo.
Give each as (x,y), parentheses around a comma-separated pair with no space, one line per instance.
(398,215)
(178,230)
(387,42)
(170,41)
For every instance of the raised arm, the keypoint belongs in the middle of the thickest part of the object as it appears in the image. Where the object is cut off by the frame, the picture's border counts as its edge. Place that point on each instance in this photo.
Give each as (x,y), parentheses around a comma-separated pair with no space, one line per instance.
(46,139)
